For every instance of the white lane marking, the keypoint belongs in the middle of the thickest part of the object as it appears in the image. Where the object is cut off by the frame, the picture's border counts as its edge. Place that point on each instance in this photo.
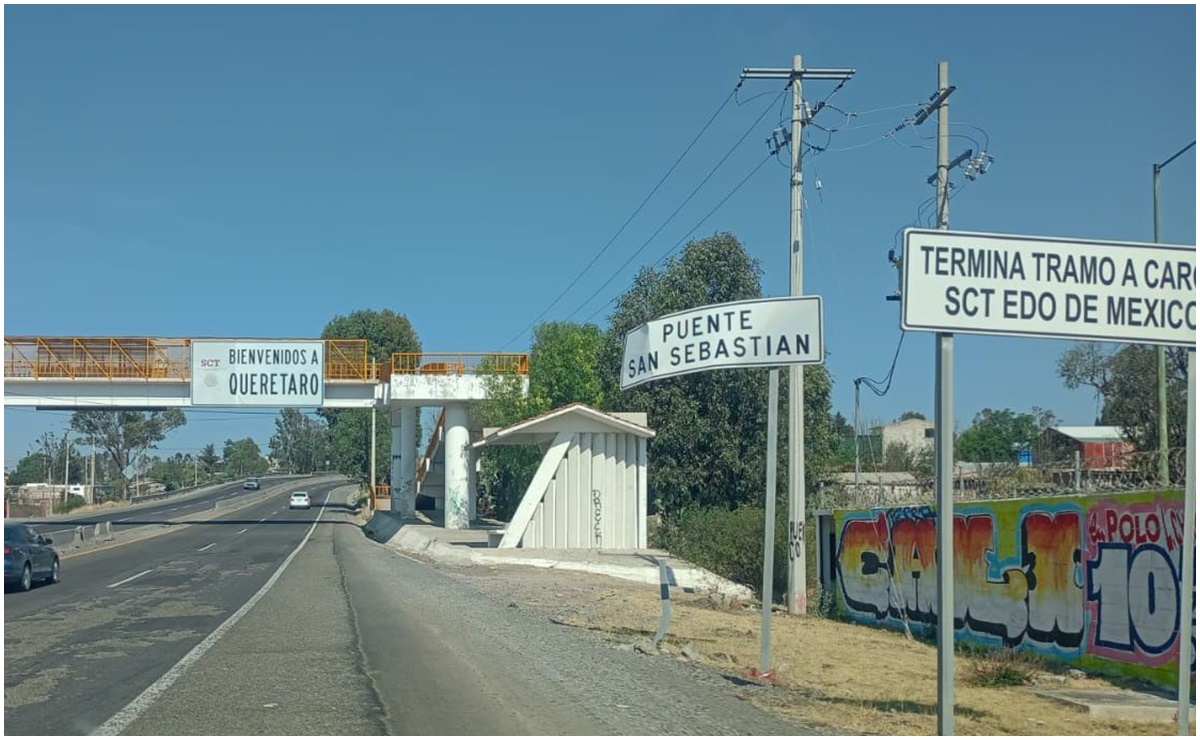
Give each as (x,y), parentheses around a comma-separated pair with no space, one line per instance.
(244,530)
(130,578)
(206,547)
(260,521)
(123,520)
(120,721)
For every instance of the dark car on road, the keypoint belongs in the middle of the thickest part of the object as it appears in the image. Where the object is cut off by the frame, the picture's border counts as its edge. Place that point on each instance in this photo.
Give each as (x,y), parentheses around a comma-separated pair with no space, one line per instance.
(28,557)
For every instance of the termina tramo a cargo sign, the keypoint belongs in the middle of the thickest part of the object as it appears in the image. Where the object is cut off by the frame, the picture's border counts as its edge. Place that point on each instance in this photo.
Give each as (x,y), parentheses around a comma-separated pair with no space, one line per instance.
(1043,287)
(757,333)
(258,372)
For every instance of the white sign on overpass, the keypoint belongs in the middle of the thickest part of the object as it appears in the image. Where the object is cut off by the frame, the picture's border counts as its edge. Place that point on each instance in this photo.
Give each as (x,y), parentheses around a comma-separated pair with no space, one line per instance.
(757,333)
(957,281)
(258,372)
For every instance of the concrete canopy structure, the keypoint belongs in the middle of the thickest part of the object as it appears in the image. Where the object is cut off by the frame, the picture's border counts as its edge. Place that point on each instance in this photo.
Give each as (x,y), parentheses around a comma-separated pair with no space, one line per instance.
(590,490)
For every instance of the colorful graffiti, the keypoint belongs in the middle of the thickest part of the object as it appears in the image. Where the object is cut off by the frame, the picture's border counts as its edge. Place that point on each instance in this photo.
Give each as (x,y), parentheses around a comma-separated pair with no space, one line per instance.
(1090,580)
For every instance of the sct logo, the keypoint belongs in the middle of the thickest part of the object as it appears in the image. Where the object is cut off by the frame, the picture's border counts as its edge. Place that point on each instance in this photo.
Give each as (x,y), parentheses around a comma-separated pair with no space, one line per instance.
(210,362)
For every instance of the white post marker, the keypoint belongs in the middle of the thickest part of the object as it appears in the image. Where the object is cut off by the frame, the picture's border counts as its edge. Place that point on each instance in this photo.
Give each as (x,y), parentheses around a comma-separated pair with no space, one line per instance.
(759,333)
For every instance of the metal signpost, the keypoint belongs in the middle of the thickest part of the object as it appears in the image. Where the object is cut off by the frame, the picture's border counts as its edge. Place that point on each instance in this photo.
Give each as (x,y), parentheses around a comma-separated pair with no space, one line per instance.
(1036,286)
(757,333)
(258,372)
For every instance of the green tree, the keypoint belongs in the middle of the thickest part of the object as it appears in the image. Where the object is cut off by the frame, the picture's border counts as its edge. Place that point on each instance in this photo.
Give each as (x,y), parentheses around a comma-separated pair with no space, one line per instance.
(994,434)
(563,369)
(209,459)
(32,468)
(243,458)
(300,443)
(912,415)
(126,435)
(1126,382)
(898,458)
(349,430)
(174,472)
(710,448)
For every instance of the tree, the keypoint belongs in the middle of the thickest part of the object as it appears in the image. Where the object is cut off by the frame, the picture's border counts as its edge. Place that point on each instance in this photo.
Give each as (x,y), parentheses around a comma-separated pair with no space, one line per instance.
(243,457)
(1126,383)
(126,435)
(300,443)
(912,415)
(710,448)
(174,472)
(32,468)
(563,369)
(386,332)
(898,458)
(209,459)
(994,434)
(842,427)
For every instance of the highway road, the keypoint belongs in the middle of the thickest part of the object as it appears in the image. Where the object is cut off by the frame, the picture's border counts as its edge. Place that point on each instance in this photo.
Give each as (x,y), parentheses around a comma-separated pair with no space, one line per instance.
(153,512)
(271,621)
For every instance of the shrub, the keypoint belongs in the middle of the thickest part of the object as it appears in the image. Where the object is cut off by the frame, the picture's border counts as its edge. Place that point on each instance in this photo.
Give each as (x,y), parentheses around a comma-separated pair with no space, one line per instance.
(1006,667)
(730,543)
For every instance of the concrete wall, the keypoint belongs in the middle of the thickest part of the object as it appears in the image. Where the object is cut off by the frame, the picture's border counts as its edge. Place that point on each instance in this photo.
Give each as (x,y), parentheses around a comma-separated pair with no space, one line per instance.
(1092,581)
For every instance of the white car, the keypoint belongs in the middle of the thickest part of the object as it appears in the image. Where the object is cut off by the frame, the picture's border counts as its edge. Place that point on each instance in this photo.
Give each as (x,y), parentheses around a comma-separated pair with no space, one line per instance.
(300,500)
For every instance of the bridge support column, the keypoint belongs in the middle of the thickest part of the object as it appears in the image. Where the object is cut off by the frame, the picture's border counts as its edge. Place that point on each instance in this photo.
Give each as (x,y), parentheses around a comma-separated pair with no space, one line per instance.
(457,445)
(404,460)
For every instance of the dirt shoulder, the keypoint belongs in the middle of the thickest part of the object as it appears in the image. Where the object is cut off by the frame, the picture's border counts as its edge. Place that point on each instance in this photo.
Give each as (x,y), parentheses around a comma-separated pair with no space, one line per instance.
(841,677)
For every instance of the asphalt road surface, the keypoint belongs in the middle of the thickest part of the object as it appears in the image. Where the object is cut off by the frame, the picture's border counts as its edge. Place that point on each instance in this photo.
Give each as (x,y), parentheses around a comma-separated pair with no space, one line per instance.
(271,622)
(155,512)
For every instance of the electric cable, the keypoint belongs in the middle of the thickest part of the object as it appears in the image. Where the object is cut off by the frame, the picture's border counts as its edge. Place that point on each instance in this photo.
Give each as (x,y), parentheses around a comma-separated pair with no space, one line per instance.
(691,231)
(679,208)
(636,211)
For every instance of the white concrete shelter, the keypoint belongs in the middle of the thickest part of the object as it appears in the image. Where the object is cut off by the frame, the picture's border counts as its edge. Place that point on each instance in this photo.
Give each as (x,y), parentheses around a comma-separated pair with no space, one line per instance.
(590,490)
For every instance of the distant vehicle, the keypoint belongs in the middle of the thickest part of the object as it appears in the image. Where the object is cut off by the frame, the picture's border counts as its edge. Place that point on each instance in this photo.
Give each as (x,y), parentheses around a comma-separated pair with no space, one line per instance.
(251,484)
(28,557)
(300,500)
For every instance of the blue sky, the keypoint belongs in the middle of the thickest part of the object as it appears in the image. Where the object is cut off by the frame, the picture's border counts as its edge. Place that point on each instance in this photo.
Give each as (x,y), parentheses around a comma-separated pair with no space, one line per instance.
(254,171)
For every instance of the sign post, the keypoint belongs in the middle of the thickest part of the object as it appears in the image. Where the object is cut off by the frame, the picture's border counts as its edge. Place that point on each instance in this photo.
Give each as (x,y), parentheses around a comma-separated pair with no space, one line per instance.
(758,333)
(258,372)
(1034,286)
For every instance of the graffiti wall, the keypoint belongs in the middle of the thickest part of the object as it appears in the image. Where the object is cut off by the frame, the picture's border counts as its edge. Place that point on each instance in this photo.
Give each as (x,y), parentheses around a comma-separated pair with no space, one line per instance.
(1089,580)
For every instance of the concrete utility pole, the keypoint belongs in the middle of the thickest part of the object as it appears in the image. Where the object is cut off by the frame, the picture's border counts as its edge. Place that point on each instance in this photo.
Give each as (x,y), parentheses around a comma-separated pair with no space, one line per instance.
(66,463)
(943,422)
(1164,474)
(797,595)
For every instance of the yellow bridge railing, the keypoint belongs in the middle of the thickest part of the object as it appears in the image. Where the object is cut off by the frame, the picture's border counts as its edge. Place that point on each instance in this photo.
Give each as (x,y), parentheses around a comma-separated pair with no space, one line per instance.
(147,358)
(459,363)
(157,358)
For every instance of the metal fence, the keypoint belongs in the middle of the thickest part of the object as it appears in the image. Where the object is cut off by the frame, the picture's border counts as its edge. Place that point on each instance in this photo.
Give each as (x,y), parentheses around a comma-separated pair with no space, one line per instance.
(1134,471)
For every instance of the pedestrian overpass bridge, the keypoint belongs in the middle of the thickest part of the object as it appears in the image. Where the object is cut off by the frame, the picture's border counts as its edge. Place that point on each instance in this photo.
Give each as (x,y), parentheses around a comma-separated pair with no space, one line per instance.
(146,373)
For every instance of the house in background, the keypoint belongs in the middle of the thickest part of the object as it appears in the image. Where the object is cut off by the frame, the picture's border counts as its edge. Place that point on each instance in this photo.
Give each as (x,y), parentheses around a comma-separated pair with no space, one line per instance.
(915,434)
(1099,448)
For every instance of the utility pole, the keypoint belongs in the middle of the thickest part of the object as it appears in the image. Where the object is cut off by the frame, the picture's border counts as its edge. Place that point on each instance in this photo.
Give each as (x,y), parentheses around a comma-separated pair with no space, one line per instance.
(797,594)
(1164,473)
(66,463)
(943,422)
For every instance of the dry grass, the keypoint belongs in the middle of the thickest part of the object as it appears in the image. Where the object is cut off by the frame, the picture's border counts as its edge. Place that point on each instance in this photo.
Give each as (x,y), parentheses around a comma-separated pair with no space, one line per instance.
(830,674)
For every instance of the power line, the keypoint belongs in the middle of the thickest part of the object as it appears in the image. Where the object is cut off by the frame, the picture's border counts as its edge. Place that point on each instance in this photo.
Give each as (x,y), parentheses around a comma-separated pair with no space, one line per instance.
(636,211)
(680,207)
(690,232)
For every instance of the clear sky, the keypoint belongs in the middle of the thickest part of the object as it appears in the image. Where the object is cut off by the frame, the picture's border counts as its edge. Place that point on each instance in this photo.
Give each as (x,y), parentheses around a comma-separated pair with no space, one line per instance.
(255,171)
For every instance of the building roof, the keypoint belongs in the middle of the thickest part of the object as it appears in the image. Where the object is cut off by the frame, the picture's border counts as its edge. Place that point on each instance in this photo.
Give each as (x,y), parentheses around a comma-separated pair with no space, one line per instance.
(575,417)
(1092,434)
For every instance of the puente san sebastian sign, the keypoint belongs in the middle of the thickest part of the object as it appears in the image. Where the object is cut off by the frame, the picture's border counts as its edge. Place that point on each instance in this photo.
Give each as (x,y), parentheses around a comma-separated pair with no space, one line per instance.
(756,333)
